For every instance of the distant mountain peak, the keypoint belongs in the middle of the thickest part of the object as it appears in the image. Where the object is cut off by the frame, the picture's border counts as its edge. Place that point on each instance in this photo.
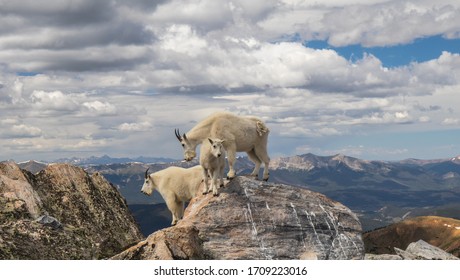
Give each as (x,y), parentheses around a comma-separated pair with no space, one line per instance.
(456,159)
(310,161)
(351,162)
(339,157)
(302,162)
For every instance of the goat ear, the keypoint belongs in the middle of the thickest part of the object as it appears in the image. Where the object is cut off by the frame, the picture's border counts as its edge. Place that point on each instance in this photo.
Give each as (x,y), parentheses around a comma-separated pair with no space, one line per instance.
(185,137)
(210,141)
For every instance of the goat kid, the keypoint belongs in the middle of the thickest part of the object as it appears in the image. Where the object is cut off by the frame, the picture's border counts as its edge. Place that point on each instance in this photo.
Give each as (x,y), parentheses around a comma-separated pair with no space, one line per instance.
(212,159)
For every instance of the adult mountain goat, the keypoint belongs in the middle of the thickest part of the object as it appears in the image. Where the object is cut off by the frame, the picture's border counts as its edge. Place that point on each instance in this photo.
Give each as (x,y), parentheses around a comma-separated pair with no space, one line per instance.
(176,185)
(240,134)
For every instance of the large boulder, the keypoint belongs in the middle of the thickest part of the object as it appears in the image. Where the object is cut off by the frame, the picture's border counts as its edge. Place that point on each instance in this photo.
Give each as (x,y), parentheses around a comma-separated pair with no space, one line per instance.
(61,213)
(422,250)
(257,220)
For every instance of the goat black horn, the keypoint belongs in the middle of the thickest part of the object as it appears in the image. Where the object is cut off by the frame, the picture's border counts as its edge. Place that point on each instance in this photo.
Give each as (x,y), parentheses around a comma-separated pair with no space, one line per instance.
(176,131)
(146,173)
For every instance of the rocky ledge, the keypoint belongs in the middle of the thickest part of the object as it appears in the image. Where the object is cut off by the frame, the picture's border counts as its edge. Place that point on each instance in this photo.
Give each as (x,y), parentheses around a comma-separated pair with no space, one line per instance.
(257,220)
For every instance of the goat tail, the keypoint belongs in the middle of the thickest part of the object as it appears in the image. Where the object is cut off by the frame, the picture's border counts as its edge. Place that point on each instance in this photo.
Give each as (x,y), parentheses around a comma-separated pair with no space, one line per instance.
(261,128)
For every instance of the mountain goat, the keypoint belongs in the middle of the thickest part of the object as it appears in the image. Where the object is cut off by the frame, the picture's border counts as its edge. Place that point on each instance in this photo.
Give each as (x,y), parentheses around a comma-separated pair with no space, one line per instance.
(212,159)
(176,185)
(240,133)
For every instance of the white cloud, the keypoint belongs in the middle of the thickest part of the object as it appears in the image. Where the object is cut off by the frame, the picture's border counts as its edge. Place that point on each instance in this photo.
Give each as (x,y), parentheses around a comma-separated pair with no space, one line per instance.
(53,100)
(103,69)
(451,121)
(22,130)
(100,108)
(424,119)
(183,39)
(86,144)
(9,121)
(143,126)
(206,14)
(369,23)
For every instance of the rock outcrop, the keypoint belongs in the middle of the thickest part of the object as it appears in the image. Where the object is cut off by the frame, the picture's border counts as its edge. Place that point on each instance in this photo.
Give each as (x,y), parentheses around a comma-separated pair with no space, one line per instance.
(61,212)
(257,220)
(419,250)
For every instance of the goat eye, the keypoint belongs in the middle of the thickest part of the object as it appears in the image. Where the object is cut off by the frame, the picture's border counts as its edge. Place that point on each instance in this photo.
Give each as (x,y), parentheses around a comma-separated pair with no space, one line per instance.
(183,145)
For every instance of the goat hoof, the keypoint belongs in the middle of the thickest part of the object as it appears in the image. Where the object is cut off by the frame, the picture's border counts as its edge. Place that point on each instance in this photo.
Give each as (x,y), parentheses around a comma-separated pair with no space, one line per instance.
(215,194)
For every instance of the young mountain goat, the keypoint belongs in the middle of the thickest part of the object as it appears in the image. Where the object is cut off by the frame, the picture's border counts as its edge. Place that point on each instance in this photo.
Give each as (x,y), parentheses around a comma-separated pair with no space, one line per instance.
(176,185)
(212,159)
(241,134)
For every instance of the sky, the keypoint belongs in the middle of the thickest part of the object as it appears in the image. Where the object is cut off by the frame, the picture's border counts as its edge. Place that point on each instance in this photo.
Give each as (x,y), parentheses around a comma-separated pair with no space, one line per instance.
(373,79)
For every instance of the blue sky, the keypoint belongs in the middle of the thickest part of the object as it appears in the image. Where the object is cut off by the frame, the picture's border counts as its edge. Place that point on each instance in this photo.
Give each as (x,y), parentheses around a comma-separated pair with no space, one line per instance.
(373,79)
(420,50)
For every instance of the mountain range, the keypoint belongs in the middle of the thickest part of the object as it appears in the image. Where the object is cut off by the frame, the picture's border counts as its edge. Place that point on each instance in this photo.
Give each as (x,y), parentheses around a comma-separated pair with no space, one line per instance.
(83,216)
(105,159)
(380,192)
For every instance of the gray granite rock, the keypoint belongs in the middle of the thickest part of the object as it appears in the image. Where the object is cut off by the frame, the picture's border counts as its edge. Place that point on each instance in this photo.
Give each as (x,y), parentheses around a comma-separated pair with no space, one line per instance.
(419,250)
(383,257)
(257,220)
(61,212)
(423,250)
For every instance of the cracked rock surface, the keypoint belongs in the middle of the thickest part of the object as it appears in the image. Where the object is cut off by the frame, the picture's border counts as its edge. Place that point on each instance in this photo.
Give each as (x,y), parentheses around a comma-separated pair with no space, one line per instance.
(252,219)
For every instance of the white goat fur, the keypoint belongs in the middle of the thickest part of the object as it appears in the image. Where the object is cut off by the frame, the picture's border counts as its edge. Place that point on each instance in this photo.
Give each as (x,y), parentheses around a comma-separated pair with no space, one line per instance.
(240,133)
(212,159)
(176,185)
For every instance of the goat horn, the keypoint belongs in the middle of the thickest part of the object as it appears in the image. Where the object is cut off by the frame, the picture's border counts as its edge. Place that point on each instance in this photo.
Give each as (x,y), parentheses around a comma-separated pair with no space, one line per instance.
(146,173)
(176,131)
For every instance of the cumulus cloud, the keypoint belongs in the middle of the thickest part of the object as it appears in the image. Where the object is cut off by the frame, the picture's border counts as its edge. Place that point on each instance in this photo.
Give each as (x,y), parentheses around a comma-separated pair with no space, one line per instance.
(451,121)
(54,100)
(143,126)
(83,73)
(207,15)
(100,108)
(72,36)
(369,23)
(22,130)
(380,25)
